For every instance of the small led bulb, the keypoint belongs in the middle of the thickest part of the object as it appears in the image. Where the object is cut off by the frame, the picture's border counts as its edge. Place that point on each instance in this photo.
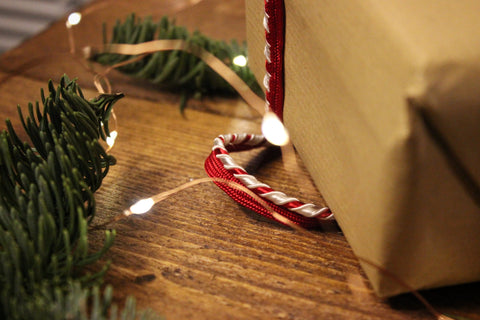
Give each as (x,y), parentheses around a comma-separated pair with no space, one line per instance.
(240,61)
(73,19)
(142,206)
(111,138)
(273,129)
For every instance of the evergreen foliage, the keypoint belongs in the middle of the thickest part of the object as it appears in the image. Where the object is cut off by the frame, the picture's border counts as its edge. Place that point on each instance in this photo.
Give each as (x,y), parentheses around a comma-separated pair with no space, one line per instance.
(47,184)
(46,204)
(177,70)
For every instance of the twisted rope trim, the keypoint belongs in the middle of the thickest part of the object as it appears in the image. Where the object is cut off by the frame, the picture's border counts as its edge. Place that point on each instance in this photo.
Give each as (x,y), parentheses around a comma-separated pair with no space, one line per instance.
(220,164)
(274,24)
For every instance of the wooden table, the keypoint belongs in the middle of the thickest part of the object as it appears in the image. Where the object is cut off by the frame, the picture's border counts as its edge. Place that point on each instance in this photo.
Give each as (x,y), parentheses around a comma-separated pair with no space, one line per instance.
(198,255)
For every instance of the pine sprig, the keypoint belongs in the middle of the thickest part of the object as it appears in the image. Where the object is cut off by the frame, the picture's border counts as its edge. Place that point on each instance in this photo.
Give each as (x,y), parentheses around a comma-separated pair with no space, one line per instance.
(177,70)
(46,203)
(80,303)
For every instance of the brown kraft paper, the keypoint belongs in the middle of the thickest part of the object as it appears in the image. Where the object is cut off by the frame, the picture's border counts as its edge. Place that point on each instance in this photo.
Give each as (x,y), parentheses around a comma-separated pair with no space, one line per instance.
(382,100)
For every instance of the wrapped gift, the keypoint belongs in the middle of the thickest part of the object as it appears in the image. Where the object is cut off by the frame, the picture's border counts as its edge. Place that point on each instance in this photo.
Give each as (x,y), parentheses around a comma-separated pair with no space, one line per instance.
(382,101)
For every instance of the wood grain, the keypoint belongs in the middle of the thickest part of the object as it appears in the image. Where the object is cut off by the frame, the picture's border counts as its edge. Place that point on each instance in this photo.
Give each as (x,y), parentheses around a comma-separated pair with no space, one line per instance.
(197,255)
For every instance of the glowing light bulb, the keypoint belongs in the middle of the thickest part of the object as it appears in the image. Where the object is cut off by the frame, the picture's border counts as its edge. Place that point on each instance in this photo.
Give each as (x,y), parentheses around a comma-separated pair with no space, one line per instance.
(273,129)
(240,61)
(73,19)
(142,206)
(111,139)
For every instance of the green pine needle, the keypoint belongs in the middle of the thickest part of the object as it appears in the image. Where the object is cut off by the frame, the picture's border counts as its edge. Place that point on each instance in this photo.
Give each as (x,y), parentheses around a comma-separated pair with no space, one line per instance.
(177,70)
(46,203)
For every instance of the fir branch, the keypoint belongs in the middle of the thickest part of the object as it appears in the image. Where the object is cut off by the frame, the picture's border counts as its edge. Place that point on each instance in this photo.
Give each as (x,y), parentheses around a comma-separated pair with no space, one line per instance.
(80,303)
(46,203)
(177,70)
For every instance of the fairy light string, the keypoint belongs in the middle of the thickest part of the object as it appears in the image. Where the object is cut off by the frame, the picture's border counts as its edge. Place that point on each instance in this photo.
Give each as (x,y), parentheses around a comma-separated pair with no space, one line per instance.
(145,205)
(73,19)
(235,180)
(270,124)
(272,127)
(213,62)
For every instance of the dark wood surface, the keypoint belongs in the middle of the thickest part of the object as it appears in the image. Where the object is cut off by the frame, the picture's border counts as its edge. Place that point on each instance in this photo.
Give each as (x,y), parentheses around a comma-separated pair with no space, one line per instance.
(197,255)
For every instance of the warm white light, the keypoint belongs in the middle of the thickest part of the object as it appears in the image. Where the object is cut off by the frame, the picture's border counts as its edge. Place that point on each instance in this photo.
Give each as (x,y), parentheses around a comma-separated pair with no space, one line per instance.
(111,139)
(240,61)
(74,19)
(142,206)
(273,129)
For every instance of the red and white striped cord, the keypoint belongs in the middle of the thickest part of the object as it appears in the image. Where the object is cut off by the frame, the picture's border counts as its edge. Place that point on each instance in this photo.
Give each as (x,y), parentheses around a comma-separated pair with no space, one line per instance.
(274,24)
(221,165)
